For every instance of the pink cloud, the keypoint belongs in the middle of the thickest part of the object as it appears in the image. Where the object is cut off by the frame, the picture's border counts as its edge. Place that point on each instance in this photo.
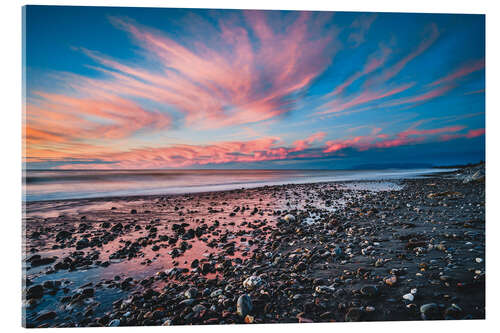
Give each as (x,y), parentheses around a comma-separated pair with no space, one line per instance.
(263,149)
(374,62)
(424,97)
(361,25)
(338,105)
(304,144)
(411,132)
(210,83)
(407,137)
(222,87)
(469,135)
(460,72)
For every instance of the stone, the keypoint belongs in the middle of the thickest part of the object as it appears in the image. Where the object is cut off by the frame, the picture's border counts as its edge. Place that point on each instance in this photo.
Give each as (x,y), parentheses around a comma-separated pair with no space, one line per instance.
(369,291)
(82,243)
(430,311)
(252,282)
(114,323)
(453,312)
(216,293)
(35,291)
(353,314)
(324,289)
(206,268)
(198,308)
(49,315)
(391,281)
(249,319)
(409,297)
(301,266)
(191,293)
(42,261)
(244,305)
(88,292)
(62,235)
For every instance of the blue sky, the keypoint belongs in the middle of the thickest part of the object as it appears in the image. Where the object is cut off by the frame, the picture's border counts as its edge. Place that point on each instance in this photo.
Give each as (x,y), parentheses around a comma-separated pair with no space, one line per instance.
(139,88)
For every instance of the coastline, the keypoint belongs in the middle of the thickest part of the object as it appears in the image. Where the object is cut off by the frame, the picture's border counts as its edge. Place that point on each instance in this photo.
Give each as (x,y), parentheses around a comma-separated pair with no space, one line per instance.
(149,190)
(317,252)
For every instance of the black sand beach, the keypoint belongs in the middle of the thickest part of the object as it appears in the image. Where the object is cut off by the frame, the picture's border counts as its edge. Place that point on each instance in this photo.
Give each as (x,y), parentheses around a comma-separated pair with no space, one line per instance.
(410,249)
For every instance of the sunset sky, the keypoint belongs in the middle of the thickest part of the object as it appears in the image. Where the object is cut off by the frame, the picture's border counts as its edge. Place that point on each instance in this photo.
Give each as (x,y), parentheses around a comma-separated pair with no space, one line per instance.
(133,88)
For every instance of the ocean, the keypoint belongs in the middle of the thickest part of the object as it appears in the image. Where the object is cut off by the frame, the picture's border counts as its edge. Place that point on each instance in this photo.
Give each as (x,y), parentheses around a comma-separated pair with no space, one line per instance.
(41,185)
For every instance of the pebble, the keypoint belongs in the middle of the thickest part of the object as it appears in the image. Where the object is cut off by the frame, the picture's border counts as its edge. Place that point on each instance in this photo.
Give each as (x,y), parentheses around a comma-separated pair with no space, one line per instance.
(244,305)
(252,282)
(391,281)
(114,323)
(353,314)
(430,311)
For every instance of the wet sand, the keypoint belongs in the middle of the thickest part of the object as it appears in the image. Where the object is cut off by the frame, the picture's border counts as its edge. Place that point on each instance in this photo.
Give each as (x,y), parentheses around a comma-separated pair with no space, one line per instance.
(349,251)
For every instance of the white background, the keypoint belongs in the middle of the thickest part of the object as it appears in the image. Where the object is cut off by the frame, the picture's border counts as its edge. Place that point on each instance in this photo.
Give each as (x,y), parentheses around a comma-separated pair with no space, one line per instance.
(10,158)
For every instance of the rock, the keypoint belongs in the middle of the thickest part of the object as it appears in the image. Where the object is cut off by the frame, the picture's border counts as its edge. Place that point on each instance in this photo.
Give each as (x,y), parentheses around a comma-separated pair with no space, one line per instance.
(289,218)
(252,282)
(206,268)
(62,235)
(249,319)
(50,284)
(216,293)
(117,227)
(244,305)
(191,293)
(477,176)
(324,289)
(479,260)
(409,297)
(82,243)
(441,247)
(42,261)
(453,312)
(88,292)
(430,311)
(35,291)
(49,315)
(369,291)
(198,308)
(114,323)
(301,266)
(195,263)
(353,314)
(391,281)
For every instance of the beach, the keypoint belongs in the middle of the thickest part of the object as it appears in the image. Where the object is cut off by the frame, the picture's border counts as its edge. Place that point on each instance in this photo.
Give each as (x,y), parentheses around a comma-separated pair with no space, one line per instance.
(351,250)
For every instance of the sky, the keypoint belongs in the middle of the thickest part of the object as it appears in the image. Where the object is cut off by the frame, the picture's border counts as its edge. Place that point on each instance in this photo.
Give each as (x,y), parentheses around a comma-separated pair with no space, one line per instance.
(155,88)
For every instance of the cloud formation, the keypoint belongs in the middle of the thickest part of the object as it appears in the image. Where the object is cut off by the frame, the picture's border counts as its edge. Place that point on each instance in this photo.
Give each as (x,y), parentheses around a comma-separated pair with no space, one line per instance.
(231,84)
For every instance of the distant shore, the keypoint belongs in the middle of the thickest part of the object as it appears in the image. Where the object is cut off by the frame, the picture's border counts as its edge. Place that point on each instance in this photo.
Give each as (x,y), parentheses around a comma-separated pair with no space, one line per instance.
(52,185)
(403,249)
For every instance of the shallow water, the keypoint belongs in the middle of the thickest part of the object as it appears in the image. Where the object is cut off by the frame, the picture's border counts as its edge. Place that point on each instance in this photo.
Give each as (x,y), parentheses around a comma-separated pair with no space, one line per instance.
(75,184)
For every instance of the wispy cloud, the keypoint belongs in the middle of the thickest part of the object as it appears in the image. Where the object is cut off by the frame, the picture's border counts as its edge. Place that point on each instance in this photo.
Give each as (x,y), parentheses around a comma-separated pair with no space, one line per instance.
(460,72)
(407,137)
(361,26)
